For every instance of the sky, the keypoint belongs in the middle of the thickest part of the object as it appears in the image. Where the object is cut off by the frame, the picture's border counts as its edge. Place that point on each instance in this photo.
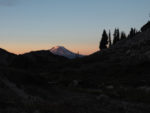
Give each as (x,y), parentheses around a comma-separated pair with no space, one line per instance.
(27,25)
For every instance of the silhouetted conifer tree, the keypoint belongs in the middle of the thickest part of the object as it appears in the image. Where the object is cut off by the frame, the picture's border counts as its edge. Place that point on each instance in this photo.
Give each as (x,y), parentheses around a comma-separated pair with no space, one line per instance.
(132,33)
(116,36)
(104,41)
(123,35)
(109,38)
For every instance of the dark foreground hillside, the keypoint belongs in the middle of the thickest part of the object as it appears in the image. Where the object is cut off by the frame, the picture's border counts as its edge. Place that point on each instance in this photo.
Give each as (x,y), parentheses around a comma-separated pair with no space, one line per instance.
(115,80)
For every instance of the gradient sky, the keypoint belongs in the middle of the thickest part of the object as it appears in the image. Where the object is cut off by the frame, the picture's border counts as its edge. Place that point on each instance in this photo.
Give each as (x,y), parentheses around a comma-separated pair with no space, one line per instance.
(27,25)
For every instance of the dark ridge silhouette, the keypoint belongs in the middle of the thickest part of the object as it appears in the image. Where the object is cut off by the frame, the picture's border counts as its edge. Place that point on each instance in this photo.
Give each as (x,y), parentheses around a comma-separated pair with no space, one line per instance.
(38,60)
(6,57)
(113,80)
(146,26)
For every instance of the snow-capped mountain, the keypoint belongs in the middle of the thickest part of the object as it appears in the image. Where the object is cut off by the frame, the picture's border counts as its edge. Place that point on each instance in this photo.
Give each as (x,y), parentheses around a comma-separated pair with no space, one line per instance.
(62,51)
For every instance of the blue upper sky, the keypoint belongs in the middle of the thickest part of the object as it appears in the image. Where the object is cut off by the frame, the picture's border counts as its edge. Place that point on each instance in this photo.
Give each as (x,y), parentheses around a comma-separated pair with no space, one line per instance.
(76,24)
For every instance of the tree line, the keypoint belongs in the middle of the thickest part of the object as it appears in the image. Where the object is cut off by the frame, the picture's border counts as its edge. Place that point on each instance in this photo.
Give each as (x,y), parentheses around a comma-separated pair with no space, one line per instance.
(106,40)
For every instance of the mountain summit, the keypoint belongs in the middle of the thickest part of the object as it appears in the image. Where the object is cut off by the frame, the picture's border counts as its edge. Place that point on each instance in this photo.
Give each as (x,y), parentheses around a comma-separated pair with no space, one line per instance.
(62,51)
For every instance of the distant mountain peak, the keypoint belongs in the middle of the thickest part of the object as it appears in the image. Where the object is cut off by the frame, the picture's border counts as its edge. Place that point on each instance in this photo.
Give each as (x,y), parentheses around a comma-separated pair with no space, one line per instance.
(57,47)
(62,51)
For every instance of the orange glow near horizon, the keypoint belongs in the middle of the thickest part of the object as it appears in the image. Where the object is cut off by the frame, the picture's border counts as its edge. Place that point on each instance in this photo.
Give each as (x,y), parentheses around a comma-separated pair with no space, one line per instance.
(22,48)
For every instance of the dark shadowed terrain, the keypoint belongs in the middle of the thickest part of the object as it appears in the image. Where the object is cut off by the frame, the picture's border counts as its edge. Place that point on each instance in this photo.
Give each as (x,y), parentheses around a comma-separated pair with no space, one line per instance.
(114,80)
